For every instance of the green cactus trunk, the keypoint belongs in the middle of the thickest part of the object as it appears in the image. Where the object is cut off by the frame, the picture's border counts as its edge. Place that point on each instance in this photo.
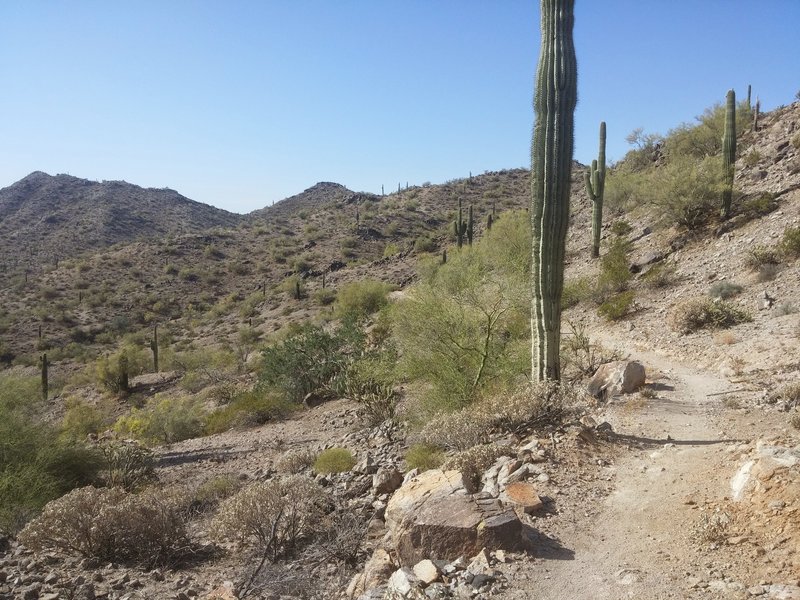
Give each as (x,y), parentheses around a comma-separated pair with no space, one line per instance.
(470,226)
(595,180)
(459,227)
(45,373)
(729,153)
(554,102)
(154,348)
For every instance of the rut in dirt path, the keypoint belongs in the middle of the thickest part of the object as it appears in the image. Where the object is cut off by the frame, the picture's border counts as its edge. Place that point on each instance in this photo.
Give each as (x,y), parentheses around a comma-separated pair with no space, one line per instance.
(637,544)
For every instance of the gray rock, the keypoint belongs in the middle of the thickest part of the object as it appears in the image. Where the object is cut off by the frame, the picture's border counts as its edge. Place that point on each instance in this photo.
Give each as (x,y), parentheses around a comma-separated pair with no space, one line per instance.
(618,377)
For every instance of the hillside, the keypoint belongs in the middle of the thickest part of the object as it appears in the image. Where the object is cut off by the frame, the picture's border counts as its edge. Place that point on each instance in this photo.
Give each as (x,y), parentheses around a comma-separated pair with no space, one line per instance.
(45,218)
(688,488)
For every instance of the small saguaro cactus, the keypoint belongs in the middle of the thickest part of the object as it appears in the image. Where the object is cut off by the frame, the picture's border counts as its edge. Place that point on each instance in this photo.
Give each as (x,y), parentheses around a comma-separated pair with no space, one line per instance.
(323,280)
(358,218)
(555,96)
(470,226)
(729,153)
(749,89)
(444,256)
(460,227)
(382,192)
(755,114)
(489,222)
(595,179)
(154,347)
(45,382)
(297,291)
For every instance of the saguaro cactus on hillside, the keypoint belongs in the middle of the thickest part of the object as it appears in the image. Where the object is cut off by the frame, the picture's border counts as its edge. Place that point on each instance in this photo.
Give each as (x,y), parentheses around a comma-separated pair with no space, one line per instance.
(554,102)
(470,226)
(729,152)
(154,347)
(460,227)
(45,380)
(595,179)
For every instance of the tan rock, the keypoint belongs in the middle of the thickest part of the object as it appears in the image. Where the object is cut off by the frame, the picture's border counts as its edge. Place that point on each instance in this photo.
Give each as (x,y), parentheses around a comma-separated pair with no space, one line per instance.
(522,496)
(426,571)
(433,516)
(618,377)
(386,480)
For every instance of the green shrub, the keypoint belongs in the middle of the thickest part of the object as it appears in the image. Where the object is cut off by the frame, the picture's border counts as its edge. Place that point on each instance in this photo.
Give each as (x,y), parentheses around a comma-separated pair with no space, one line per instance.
(165,420)
(790,244)
(189,275)
(724,290)
(615,270)
(752,158)
(424,457)
(362,298)
(796,141)
(659,276)
(700,313)
(576,291)
(126,464)
(311,359)
(82,419)
(377,400)
(248,409)
(759,256)
(325,296)
(621,228)
(334,460)
(114,372)
(391,249)
(424,243)
(294,461)
(214,490)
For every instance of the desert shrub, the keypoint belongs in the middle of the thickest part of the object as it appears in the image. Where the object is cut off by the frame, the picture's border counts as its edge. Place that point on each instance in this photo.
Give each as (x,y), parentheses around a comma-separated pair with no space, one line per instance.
(146,529)
(580,357)
(752,158)
(349,242)
(390,250)
(767,272)
(189,275)
(325,296)
(465,326)
(659,276)
(615,270)
(700,313)
(785,308)
(114,372)
(201,367)
(796,141)
(531,407)
(339,538)
(424,457)
(377,400)
(164,420)
(456,430)
(758,206)
(334,460)
(759,256)
(789,394)
(621,228)
(424,243)
(36,464)
(724,290)
(471,463)
(274,515)
(311,359)
(617,306)
(361,298)
(214,490)
(126,464)
(82,419)
(294,461)
(790,244)
(576,291)
(248,409)
(303,264)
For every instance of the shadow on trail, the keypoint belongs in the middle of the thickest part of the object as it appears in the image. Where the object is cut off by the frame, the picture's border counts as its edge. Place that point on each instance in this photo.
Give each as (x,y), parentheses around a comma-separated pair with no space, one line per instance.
(645,441)
(543,546)
(191,456)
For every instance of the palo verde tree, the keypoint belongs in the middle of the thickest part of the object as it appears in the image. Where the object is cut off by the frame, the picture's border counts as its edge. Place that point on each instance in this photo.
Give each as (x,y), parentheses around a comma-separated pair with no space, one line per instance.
(554,102)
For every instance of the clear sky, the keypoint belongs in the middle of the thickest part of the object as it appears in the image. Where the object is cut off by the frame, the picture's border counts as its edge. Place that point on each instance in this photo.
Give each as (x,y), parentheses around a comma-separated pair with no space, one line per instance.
(242,103)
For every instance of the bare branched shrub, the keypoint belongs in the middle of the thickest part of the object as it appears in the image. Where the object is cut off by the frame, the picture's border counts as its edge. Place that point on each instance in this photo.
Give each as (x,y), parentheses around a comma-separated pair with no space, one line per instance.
(273,515)
(789,394)
(146,529)
(294,461)
(339,539)
(712,527)
(534,406)
(474,461)
(126,464)
(580,356)
(457,431)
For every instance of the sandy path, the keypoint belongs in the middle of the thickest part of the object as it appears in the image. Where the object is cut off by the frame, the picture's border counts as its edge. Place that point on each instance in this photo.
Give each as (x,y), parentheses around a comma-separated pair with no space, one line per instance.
(638,544)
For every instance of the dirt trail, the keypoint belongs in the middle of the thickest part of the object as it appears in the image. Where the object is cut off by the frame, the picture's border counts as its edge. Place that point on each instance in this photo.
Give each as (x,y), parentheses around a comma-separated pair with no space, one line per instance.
(638,544)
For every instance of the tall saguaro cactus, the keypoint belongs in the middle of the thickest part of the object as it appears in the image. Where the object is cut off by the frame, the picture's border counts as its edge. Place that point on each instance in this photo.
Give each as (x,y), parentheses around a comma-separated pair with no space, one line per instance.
(45,379)
(460,227)
(470,226)
(154,347)
(729,152)
(595,179)
(554,102)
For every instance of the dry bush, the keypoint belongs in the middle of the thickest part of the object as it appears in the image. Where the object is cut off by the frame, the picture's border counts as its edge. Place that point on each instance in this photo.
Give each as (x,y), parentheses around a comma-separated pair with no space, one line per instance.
(533,406)
(457,431)
(580,356)
(789,394)
(126,464)
(473,462)
(294,461)
(795,420)
(699,313)
(146,529)
(759,256)
(377,400)
(339,538)
(712,527)
(274,515)
(214,490)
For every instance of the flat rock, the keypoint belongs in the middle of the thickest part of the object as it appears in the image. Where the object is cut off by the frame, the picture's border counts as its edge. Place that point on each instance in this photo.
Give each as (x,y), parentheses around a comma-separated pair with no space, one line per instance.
(521,495)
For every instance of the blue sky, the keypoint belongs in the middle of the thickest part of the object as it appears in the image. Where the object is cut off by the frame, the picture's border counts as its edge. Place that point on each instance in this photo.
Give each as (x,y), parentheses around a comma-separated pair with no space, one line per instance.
(239,104)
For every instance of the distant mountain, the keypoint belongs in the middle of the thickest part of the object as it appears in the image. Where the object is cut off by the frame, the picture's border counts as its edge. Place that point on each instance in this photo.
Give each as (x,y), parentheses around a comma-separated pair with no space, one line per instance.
(44,217)
(316,196)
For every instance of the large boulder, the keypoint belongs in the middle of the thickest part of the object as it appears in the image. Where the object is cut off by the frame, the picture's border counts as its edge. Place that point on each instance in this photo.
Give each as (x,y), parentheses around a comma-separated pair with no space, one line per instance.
(433,516)
(618,377)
